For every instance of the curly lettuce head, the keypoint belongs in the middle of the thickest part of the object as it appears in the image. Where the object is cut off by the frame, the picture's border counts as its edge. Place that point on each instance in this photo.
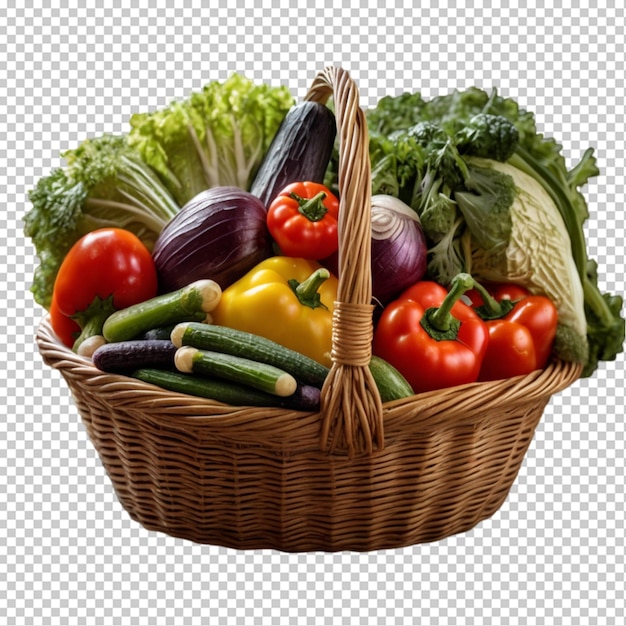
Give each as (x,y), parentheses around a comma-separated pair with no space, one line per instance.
(216,136)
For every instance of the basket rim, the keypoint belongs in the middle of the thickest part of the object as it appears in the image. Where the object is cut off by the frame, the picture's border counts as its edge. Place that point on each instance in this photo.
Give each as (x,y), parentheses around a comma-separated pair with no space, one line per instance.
(426,411)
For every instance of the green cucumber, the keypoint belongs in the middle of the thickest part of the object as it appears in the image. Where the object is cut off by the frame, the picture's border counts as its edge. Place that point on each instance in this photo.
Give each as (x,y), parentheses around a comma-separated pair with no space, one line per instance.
(391,384)
(236,369)
(234,394)
(251,346)
(193,302)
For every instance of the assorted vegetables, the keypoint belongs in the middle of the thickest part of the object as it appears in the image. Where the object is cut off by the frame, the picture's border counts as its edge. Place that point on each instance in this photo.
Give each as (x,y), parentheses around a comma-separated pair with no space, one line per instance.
(497,200)
(199,252)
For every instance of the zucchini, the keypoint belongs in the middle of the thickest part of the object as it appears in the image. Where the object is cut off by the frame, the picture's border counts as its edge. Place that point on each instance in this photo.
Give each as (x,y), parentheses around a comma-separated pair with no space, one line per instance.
(391,384)
(124,356)
(248,345)
(300,150)
(235,394)
(236,369)
(195,300)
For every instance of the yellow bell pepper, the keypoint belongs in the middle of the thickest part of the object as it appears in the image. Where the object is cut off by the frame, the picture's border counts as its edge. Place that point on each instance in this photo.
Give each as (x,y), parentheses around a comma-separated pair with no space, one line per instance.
(288,300)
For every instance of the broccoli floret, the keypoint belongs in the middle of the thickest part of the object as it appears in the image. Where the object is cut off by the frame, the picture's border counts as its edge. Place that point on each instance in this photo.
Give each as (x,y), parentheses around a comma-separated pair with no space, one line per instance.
(488,136)
(441,154)
(428,134)
(438,213)
(485,205)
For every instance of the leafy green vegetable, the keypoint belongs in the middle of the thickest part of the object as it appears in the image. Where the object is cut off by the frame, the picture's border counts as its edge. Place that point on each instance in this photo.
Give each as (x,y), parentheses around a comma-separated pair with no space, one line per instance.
(439,213)
(424,152)
(216,136)
(534,256)
(103,183)
(486,206)
(603,336)
(140,180)
(395,161)
(488,136)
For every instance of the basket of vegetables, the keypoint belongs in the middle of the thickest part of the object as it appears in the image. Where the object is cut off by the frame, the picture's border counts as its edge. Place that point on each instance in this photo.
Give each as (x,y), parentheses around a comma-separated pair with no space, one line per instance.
(310,326)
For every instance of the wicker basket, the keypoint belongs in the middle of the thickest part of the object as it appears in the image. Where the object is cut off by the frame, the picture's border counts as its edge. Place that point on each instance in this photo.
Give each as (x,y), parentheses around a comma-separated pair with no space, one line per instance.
(358,475)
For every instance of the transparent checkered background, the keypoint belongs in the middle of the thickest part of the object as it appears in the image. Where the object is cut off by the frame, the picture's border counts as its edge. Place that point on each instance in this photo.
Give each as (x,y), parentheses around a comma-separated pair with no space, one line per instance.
(69,554)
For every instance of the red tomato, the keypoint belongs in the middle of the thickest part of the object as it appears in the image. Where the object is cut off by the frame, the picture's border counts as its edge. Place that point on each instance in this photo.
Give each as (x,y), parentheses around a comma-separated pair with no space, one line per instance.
(105,270)
(66,329)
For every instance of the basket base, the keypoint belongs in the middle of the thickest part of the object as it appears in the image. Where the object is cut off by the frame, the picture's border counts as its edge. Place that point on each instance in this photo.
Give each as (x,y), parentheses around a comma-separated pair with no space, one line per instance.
(313,543)
(245,478)
(391,499)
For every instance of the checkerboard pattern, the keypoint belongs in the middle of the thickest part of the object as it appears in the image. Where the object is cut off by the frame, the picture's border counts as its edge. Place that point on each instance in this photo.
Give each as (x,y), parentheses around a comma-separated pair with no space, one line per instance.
(69,554)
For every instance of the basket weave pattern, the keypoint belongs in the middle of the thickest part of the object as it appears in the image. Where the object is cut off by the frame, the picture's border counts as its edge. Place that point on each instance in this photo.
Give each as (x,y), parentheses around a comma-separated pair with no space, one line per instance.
(357,475)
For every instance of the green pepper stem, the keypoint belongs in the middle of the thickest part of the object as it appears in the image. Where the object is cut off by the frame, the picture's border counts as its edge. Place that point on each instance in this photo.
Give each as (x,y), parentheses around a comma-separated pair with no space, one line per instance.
(492,307)
(441,318)
(307,290)
(312,208)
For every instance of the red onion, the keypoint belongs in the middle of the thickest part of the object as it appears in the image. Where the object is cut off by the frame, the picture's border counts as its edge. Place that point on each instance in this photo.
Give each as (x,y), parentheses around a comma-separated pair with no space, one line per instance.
(399,249)
(220,234)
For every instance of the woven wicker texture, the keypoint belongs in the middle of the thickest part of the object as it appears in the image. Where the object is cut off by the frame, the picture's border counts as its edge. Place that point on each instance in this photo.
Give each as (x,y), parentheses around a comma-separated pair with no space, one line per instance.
(358,475)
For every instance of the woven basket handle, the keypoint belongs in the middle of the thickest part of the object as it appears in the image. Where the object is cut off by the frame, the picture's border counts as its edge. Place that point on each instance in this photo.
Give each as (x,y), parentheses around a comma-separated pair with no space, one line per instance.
(351,408)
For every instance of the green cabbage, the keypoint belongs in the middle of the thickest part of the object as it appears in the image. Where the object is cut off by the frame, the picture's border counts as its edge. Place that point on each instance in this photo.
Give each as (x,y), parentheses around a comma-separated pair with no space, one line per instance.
(534,257)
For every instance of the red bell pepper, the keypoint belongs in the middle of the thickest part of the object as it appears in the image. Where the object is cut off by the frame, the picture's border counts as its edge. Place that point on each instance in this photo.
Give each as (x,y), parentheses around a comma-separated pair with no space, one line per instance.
(105,270)
(302,220)
(431,337)
(521,327)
